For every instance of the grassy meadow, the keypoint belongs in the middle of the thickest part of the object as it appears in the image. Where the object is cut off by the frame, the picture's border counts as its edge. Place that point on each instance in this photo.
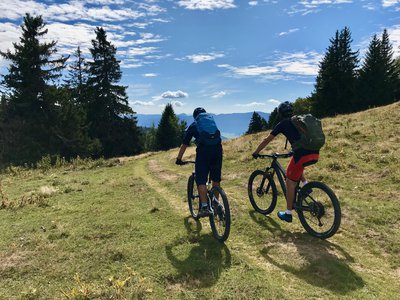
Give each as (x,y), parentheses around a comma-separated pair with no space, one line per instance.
(120,228)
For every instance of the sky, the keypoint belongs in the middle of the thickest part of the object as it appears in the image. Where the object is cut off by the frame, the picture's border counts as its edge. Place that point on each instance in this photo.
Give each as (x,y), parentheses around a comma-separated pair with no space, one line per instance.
(224,55)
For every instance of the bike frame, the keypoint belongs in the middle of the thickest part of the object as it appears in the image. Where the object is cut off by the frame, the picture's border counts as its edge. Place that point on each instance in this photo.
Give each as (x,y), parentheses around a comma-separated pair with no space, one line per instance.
(278,169)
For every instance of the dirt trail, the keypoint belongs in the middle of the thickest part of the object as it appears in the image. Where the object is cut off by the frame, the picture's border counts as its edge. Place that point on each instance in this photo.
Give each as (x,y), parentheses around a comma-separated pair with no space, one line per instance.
(249,253)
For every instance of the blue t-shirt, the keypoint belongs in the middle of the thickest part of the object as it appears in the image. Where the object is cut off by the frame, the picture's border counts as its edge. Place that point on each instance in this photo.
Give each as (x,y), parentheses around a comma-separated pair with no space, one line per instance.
(287,128)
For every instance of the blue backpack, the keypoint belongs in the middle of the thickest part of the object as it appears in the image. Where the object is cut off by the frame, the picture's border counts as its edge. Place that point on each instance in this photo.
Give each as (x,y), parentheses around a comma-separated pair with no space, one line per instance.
(207,129)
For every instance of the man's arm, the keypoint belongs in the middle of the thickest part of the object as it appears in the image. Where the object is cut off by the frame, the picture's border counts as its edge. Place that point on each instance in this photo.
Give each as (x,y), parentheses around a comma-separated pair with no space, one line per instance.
(263,144)
(182,150)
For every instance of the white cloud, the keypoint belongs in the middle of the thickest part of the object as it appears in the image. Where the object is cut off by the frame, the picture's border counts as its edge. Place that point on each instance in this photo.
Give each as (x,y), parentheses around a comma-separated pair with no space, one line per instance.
(75,10)
(253,3)
(299,63)
(252,104)
(69,37)
(250,70)
(207,4)
(148,38)
(9,33)
(171,95)
(394,36)
(389,3)
(198,58)
(143,103)
(306,7)
(274,102)
(218,95)
(138,51)
(284,67)
(288,32)
(150,75)
(177,103)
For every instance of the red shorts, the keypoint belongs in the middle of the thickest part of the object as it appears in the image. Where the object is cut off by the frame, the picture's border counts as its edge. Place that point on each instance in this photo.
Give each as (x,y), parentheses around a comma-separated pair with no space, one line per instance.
(295,170)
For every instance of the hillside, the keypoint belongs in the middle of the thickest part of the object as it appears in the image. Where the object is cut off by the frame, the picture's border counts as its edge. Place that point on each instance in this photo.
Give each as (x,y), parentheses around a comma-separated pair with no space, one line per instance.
(120,229)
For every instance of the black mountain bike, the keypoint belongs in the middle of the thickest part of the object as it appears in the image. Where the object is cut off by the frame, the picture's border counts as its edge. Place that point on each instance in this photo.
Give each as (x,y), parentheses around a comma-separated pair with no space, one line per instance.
(316,204)
(220,215)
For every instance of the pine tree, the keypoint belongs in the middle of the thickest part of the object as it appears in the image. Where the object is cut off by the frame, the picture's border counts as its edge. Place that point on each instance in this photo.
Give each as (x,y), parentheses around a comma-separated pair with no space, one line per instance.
(169,131)
(29,110)
(111,119)
(397,85)
(77,78)
(273,119)
(256,124)
(378,75)
(335,85)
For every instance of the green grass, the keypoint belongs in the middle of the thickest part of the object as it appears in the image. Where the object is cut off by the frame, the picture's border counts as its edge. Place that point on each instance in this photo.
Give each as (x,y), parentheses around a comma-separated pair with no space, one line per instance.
(120,229)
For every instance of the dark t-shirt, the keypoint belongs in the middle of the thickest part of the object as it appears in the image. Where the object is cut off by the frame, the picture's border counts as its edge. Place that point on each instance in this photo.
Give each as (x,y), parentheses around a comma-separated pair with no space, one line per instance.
(190,133)
(287,128)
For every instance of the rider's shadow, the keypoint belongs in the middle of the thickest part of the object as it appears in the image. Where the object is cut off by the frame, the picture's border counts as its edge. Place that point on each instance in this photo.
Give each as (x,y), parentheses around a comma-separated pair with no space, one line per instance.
(266,222)
(198,259)
(317,262)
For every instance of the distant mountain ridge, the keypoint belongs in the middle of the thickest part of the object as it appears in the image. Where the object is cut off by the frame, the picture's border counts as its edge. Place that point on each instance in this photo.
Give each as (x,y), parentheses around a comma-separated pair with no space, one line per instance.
(231,125)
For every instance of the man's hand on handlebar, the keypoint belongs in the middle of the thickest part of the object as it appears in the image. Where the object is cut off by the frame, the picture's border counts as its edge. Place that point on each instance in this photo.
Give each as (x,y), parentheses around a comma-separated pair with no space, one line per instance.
(179,162)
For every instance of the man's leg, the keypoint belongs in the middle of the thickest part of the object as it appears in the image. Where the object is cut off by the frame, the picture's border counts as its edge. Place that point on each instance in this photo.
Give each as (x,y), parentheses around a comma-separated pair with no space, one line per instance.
(214,184)
(202,188)
(290,190)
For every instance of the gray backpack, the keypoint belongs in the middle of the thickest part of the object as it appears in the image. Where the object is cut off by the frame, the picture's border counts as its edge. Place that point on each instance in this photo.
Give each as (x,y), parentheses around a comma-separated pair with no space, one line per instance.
(312,136)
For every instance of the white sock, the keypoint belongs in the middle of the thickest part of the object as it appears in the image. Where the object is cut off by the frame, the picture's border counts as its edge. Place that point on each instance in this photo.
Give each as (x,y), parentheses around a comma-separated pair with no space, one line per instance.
(288,212)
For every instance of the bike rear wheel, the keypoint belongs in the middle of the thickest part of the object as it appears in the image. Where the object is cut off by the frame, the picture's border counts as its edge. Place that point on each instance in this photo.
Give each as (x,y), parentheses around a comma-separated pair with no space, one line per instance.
(319,210)
(220,219)
(193,197)
(262,192)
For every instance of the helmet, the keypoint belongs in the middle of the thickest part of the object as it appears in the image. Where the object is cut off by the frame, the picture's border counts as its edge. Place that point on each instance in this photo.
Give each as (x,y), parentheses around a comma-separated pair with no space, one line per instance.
(198,111)
(285,109)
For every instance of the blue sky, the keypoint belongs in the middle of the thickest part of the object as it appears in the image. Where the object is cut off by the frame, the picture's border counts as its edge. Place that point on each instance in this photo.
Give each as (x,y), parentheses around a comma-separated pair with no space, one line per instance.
(225,55)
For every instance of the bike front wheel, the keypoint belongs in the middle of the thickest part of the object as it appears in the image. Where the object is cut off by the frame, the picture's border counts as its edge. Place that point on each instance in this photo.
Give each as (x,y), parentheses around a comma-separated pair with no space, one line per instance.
(319,210)
(193,197)
(220,219)
(262,192)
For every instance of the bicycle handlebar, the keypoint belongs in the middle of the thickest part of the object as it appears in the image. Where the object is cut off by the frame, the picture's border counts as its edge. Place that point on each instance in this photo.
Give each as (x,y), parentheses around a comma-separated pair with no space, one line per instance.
(276,155)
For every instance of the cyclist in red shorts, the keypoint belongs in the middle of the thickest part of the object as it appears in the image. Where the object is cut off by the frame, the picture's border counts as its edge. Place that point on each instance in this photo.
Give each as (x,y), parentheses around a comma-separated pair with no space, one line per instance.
(300,159)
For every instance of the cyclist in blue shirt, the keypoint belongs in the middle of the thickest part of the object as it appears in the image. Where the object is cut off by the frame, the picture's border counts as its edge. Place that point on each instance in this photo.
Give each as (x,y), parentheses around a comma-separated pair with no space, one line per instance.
(208,161)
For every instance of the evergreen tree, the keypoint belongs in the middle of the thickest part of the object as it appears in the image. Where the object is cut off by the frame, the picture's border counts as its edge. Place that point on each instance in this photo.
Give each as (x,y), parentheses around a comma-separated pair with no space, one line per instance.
(392,71)
(256,124)
(397,88)
(111,119)
(77,78)
(273,119)
(378,75)
(29,110)
(150,138)
(335,84)
(169,131)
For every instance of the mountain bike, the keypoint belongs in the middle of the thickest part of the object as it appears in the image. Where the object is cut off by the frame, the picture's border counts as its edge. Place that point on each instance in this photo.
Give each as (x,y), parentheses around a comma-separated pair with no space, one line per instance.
(220,216)
(316,204)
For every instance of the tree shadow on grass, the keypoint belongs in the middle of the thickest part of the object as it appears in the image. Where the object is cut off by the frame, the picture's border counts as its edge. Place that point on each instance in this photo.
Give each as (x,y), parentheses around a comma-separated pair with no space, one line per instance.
(198,259)
(317,262)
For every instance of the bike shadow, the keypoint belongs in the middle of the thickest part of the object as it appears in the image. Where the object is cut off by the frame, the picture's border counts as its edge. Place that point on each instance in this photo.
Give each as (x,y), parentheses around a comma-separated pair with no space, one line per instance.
(198,259)
(266,222)
(318,262)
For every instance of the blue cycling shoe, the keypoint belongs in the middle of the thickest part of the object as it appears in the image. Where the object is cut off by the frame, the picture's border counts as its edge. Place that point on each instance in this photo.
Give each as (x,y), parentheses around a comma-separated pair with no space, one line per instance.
(285,217)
